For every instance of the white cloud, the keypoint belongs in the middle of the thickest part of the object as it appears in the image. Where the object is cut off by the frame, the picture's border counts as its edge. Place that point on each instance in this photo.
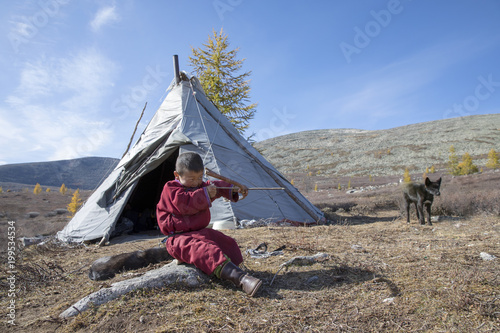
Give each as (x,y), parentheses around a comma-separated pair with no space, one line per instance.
(9,129)
(54,112)
(36,80)
(104,16)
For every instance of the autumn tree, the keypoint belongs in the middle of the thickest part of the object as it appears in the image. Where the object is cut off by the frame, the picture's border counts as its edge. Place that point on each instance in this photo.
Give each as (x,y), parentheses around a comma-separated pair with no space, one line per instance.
(219,72)
(406,176)
(492,160)
(37,189)
(466,167)
(63,189)
(453,162)
(75,203)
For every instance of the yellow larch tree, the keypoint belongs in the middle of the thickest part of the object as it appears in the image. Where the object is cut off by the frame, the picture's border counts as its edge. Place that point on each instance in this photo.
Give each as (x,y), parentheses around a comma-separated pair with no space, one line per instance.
(75,203)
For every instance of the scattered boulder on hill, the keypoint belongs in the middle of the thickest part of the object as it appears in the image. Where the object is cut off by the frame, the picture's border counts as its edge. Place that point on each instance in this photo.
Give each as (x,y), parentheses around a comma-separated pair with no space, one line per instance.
(32,215)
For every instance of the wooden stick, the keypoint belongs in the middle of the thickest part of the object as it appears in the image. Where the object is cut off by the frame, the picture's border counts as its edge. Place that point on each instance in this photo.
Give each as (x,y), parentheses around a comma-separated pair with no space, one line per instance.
(210,173)
(255,188)
(135,129)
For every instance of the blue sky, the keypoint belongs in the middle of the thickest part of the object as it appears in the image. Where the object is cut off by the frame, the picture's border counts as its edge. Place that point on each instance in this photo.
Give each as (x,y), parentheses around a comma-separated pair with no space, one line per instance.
(76,74)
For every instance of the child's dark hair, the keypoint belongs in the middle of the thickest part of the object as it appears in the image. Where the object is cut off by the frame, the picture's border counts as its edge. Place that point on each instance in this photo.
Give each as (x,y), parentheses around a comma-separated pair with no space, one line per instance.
(188,162)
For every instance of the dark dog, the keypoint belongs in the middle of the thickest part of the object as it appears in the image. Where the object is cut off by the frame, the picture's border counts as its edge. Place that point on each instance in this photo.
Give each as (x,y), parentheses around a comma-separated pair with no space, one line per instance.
(107,267)
(420,195)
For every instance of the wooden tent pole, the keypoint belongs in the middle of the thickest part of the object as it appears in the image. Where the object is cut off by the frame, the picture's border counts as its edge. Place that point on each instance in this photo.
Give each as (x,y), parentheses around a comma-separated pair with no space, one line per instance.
(135,130)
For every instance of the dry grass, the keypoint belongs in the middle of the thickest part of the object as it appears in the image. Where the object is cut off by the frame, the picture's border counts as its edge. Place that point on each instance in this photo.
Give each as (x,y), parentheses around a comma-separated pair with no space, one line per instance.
(381,277)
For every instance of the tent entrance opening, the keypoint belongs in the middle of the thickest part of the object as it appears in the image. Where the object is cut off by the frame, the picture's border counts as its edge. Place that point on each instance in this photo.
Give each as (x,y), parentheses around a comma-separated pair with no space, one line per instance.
(141,207)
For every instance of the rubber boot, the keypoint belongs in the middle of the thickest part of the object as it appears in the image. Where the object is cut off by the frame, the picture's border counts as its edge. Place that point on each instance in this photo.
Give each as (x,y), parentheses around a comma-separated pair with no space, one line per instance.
(240,279)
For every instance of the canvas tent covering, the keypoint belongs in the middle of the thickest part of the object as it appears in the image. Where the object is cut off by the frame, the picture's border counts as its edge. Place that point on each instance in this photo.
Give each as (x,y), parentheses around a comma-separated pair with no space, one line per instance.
(188,121)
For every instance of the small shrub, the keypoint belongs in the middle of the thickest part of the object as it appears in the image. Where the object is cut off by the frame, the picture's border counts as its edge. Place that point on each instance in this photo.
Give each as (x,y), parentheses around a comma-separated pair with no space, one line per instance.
(492,160)
(406,176)
(63,189)
(466,167)
(75,203)
(476,201)
(37,189)
(453,162)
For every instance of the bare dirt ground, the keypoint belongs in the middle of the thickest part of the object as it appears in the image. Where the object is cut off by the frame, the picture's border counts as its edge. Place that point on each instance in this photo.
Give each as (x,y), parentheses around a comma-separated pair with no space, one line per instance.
(383,275)
(16,205)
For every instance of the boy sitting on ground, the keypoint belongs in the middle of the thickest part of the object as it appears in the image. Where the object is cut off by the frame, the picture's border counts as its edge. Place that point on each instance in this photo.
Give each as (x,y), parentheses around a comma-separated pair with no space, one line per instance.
(183,214)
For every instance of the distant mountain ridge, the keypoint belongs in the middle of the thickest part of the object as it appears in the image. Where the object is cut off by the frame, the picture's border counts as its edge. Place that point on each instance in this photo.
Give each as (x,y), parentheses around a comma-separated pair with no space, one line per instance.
(339,152)
(83,173)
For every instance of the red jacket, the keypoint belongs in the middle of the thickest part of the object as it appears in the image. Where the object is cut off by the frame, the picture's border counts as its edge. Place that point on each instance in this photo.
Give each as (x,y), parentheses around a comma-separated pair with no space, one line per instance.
(182,209)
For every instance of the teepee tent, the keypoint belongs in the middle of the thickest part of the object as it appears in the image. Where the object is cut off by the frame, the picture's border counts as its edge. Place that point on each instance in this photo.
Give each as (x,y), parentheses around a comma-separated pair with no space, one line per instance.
(188,121)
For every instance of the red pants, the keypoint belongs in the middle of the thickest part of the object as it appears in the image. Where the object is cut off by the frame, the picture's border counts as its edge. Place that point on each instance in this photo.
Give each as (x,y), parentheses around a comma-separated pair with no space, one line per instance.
(204,248)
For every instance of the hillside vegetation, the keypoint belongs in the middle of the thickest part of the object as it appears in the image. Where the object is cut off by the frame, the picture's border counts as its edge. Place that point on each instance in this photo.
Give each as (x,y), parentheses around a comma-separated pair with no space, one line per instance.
(333,152)
(352,152)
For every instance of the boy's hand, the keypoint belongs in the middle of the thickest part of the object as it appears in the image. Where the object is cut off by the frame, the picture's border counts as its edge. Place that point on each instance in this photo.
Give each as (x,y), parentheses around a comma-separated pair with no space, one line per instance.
(243,190)
(212,190)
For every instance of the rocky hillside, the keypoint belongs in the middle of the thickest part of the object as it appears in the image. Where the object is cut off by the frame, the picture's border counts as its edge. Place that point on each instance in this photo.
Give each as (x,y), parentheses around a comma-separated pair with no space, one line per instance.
(84,173)
(337,152)
(352,152)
